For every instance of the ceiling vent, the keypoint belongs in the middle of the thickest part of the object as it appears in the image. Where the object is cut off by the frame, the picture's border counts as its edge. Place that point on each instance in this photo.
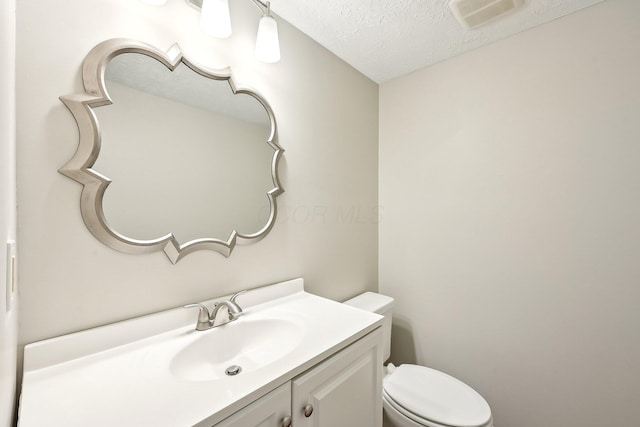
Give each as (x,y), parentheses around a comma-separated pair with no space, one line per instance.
(473,13)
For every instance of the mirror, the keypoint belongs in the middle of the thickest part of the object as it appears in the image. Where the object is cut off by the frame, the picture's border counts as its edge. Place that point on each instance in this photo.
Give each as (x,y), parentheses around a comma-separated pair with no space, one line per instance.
(172,156)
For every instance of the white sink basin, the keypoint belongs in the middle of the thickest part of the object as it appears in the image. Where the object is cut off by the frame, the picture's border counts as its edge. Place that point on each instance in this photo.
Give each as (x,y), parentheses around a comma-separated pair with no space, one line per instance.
(249,344)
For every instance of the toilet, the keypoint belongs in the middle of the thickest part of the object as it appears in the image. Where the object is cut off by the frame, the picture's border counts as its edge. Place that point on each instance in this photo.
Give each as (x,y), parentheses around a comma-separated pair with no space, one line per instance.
(417,396)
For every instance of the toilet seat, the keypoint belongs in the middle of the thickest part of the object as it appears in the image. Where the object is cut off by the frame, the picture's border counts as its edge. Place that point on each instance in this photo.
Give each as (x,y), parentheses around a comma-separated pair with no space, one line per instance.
(403,417)
(433,398)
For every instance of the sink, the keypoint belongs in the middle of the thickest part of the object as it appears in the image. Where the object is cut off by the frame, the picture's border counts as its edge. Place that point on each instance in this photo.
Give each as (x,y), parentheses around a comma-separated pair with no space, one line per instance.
(249,344)
(158,370)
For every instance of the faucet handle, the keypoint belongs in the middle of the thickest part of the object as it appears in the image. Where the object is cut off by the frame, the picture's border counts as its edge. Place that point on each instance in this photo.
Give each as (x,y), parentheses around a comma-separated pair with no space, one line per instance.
(234,309)
(236,295)
(204,318)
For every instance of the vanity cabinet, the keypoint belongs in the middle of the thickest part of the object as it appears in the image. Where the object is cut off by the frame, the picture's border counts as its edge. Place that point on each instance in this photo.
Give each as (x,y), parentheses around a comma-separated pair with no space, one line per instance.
(271,410)
(344,390)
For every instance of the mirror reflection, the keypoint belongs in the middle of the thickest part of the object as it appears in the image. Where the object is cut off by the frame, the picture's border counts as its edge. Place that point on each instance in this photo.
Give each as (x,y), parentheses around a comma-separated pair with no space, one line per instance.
(184,153)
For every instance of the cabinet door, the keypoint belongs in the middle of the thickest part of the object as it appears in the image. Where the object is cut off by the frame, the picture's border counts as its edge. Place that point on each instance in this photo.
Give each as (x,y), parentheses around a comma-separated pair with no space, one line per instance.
(344,390)
(270,410)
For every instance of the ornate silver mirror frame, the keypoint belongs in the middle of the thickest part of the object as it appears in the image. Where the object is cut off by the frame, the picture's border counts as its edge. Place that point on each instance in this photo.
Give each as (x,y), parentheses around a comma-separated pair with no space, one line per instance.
(79,168)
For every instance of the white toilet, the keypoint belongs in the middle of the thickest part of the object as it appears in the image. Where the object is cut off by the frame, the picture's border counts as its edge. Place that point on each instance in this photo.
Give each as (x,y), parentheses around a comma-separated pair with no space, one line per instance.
(417,396)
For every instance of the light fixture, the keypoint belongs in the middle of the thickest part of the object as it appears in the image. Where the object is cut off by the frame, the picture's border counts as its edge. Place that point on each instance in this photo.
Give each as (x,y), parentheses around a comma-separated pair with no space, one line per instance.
(215,19)
(216,22)
(267,41)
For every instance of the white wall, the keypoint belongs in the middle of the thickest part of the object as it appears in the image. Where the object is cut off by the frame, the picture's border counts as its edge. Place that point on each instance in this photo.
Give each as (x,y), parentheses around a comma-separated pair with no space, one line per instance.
(327,120)
(510,182)
(8,301)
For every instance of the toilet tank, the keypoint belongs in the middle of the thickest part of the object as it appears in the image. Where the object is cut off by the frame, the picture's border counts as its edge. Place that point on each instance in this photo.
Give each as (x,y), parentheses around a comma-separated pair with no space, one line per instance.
(379,304)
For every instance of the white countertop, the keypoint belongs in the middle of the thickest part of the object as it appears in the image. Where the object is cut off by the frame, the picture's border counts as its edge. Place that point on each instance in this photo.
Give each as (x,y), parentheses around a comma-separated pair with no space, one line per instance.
(118,375)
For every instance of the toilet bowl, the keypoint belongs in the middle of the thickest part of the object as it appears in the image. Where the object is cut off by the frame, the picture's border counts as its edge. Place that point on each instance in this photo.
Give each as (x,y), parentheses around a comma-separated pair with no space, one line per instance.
(417,396)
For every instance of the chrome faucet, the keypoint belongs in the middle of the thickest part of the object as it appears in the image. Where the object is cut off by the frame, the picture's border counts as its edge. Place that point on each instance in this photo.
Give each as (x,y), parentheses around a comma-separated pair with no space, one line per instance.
(207,320)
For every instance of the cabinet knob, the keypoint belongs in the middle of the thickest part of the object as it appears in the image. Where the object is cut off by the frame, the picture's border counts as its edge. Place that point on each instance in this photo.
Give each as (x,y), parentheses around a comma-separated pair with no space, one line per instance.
(308,410)
(286,422)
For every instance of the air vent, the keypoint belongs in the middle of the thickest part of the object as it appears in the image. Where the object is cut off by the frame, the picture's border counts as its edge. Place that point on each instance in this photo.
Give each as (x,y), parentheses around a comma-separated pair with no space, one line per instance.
(473,13)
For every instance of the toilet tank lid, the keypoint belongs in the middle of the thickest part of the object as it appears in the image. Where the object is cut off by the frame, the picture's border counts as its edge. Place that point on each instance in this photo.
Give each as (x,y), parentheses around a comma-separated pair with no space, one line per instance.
(372,302)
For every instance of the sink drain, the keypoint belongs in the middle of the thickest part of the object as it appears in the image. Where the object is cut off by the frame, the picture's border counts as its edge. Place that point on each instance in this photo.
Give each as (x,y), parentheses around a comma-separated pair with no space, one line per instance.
(233,370)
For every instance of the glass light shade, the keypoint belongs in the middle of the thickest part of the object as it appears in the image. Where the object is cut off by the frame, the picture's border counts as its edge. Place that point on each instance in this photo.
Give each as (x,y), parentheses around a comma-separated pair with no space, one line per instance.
(215,19)
(267,42)
(155,2)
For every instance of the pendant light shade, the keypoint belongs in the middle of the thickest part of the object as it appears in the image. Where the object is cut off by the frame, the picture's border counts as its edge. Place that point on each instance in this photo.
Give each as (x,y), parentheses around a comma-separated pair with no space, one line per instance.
(215,19)
(216,22)
(267,42)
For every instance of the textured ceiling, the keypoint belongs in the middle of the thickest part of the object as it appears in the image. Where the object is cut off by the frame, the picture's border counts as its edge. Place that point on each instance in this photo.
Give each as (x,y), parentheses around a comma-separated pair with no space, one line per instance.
(385,39)
(183,85)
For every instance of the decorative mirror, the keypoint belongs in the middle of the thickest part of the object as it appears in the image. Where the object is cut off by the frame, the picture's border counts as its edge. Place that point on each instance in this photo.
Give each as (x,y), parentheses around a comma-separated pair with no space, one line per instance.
(171,156)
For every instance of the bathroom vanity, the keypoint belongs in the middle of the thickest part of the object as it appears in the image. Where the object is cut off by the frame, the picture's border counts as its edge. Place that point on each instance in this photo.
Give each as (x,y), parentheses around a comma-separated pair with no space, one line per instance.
(303,361)
(341,391)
